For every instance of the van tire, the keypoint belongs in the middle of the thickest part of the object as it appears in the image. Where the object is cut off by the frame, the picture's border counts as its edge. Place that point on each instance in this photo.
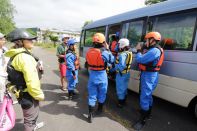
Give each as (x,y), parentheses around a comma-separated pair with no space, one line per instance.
(193,108)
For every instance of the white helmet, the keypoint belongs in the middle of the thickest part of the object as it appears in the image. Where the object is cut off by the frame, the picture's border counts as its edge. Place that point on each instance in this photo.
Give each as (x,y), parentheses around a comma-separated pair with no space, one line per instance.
(2,35)
(123,43)
(65,36)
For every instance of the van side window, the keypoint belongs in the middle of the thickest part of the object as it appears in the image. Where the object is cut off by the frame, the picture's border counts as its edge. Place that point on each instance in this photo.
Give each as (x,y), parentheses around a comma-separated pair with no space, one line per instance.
(176,30)
(82,38)
(125,28)
(135,32)
(90,33)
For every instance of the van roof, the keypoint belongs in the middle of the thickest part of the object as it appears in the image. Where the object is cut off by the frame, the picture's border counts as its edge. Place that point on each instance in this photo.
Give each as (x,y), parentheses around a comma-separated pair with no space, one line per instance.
(151,10)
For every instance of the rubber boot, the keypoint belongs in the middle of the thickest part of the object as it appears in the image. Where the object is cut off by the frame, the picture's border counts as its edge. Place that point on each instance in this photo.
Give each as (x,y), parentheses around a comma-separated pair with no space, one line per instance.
(90,115)
(70,94)
(99,109)
(125,100)
(149,117)
(120,103)
(142,121)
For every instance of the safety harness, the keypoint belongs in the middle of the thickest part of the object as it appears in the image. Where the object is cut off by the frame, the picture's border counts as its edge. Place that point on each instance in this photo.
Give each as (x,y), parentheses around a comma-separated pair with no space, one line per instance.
(128,63)
(16,78)
(150,67)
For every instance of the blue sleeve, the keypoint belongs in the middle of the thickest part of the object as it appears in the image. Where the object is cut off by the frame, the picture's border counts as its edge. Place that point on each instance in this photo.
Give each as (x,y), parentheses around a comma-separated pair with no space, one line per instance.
(150,56)
(122,62)
(70,60)
(108,57)
(117,48)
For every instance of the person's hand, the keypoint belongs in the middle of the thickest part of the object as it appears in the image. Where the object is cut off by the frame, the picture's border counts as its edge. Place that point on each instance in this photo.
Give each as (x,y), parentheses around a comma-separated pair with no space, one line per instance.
(106,45)
(138,47)
(40,65)
(74,77)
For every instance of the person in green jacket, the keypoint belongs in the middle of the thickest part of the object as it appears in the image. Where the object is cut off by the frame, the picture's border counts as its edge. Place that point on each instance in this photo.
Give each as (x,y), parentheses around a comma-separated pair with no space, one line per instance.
(23,72)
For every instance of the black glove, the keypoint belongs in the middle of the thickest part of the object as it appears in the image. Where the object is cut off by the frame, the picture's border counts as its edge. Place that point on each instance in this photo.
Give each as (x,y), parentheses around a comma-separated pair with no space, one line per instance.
(73,72)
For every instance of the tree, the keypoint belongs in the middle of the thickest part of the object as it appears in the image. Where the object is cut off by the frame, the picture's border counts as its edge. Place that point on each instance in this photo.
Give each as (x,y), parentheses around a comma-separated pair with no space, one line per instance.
(46,34)
(150,2)
(53,38)
(87,22)
(6,16)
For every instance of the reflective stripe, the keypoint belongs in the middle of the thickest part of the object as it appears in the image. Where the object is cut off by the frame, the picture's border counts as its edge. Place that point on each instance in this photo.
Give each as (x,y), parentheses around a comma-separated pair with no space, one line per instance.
(128,63)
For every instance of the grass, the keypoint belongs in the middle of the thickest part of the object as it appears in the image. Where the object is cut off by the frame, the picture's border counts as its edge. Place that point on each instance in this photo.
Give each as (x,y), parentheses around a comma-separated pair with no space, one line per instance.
(48,46)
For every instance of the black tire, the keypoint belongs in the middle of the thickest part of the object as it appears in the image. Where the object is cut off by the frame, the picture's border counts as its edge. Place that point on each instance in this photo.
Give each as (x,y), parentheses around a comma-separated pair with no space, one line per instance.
(193,108)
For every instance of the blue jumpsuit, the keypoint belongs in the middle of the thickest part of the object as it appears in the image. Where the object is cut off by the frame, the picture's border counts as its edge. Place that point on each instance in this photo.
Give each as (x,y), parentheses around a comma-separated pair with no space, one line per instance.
(70,63)
(98,82)
(148,80)
(122,80)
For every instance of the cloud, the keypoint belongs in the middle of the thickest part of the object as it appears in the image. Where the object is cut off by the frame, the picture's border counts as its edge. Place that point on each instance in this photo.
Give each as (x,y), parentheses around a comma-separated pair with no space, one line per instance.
(68,14)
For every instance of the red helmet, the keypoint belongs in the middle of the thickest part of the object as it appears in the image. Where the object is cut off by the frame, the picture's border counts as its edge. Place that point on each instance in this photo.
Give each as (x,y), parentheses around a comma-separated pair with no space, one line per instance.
(155,35)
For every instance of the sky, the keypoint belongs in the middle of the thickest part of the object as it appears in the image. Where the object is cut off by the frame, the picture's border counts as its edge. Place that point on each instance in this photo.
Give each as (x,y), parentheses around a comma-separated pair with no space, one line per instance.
(68,14)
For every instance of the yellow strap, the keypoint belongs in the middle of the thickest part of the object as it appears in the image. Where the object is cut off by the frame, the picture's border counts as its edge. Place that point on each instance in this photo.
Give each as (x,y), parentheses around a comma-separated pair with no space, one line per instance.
(128,62)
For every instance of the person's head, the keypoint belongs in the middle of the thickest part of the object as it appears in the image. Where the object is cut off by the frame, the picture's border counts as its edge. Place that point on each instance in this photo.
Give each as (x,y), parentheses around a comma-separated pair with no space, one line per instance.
(113,38)
(123,44)
(98,40)
(21,38)
(72,44)
(2,40)
(152,38)
(65,38)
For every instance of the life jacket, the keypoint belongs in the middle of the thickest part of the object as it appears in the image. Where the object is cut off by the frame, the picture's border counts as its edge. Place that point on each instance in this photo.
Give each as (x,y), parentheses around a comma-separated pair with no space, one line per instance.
(14,76)
(94,59)
(150,67)
(113,47)
(77,63)
(128,63)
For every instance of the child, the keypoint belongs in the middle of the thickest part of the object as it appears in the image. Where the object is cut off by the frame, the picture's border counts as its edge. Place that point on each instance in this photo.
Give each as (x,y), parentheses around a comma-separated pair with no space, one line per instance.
(72,67)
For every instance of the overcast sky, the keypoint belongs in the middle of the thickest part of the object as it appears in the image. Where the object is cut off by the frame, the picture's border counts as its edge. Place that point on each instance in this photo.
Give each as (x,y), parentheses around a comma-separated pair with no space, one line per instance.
(68,14)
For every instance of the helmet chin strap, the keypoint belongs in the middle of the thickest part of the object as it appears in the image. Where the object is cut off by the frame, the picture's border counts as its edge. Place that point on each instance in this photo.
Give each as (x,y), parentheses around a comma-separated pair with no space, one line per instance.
(150,43)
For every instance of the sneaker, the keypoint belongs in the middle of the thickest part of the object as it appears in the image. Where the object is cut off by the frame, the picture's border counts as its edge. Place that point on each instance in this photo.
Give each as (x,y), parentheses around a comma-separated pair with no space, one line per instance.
(15,102)
(39,125)
(63,88)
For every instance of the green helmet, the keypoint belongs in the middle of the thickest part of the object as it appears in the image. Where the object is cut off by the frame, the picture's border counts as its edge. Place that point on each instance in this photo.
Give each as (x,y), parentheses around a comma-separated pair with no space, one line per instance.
(20,34)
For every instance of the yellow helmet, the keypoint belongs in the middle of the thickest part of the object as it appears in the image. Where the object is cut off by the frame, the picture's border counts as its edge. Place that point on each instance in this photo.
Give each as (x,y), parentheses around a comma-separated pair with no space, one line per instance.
(98,38)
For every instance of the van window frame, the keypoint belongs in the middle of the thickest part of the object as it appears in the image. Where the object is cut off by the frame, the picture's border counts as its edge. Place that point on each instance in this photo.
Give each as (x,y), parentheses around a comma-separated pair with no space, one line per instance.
(178,13)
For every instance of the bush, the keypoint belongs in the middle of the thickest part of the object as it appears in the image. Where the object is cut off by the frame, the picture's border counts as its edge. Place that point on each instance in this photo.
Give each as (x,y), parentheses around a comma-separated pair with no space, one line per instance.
(45,45)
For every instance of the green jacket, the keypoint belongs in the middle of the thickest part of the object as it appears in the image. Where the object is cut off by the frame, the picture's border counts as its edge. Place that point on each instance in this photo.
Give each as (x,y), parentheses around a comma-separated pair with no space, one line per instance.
(26,64)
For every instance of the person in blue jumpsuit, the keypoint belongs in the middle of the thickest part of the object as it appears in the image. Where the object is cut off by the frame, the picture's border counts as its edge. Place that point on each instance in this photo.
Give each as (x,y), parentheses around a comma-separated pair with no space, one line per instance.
(71,73)
(122,67)
(149,75)
(97,58)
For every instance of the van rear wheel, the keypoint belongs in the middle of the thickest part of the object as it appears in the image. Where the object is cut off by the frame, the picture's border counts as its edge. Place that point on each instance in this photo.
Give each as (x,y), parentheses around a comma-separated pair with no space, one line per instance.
(195,109)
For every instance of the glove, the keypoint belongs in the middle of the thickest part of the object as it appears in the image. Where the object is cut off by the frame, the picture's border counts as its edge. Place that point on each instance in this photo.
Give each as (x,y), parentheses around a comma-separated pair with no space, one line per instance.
(74,75)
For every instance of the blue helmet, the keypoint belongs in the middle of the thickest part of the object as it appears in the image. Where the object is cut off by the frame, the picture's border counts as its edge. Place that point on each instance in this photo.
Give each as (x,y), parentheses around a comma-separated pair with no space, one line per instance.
(71,42)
